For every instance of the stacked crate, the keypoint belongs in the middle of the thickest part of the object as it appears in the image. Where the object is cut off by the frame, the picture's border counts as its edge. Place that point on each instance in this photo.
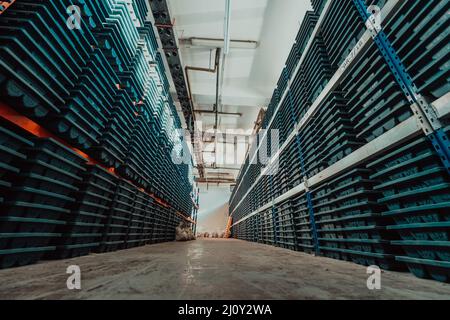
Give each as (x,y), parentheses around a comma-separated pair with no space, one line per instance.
(318,5)
(415,189)
(99,90)
(349,222)
(37,206)
(377,103)
(419,33)
(136,223)
(302,223)
(341,29)
(268,227)
(86,223)
(149,221)
(284,224)
(19,243)
(329,137)
(116,229)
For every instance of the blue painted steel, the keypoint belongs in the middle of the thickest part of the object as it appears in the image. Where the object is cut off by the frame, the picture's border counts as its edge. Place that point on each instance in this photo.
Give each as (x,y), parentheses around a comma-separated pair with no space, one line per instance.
(302,164)
(273,212)
(312,220)
(432,127)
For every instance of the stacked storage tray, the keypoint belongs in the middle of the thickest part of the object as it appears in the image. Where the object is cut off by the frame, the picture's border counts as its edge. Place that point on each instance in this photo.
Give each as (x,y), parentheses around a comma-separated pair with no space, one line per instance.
(416,191)
(419,33)
(86,224)
(115,138)
(268,234)
(77,115)
(284,223)
(318,6)
(302,222)
(116,228)
(101,89)
(348,220)
(14,143)
(141,150)
(38,204)
(285,119)
(140,10)
(276,96)
(113,23)
(161,215)
(313,76)
(256,234)
(341,30)
(12,148)
(303,36)
(329,137)
(291,165)
(276,185)
(169,225)
(376,101)
(283,80)
(259,228)
(135,234)
(247,230)
(89,104)
(34,47)
(292,61)
(252,225)
(149,221)
(236,232)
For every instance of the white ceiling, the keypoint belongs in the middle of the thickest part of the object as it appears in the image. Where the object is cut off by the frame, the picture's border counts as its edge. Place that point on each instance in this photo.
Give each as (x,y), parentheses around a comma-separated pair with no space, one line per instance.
(250,74)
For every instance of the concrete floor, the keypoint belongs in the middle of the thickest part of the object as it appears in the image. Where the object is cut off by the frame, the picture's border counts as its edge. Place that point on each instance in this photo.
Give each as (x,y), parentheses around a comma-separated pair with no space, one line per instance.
(211,269)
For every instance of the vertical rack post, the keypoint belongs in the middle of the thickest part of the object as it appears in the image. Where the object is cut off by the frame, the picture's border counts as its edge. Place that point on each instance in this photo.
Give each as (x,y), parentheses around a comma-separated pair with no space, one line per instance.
(424,112)
(301,158)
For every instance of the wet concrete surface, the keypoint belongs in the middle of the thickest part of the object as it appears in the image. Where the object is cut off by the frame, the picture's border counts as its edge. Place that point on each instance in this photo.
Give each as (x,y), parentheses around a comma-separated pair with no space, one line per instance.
(211,269)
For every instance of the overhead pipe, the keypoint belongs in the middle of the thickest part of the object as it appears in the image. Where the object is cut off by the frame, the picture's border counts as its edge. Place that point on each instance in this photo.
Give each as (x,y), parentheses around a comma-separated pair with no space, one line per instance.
(222,168)
(234,114)
(219,42)
(226,51)
(216,106)
(227,27)
(216,181)
(214,70)
(189,88)
(221,73)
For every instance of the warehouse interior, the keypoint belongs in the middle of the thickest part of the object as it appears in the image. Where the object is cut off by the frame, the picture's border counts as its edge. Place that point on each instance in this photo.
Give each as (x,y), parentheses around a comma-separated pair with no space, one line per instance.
(225,149)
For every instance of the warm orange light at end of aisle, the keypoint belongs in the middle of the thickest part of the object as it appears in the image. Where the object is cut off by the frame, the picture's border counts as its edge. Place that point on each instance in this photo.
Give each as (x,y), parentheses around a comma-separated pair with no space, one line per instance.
(228,229)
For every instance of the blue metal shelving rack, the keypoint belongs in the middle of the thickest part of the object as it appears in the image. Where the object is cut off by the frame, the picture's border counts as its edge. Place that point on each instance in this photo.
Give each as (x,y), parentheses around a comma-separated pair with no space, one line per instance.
(382,190)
